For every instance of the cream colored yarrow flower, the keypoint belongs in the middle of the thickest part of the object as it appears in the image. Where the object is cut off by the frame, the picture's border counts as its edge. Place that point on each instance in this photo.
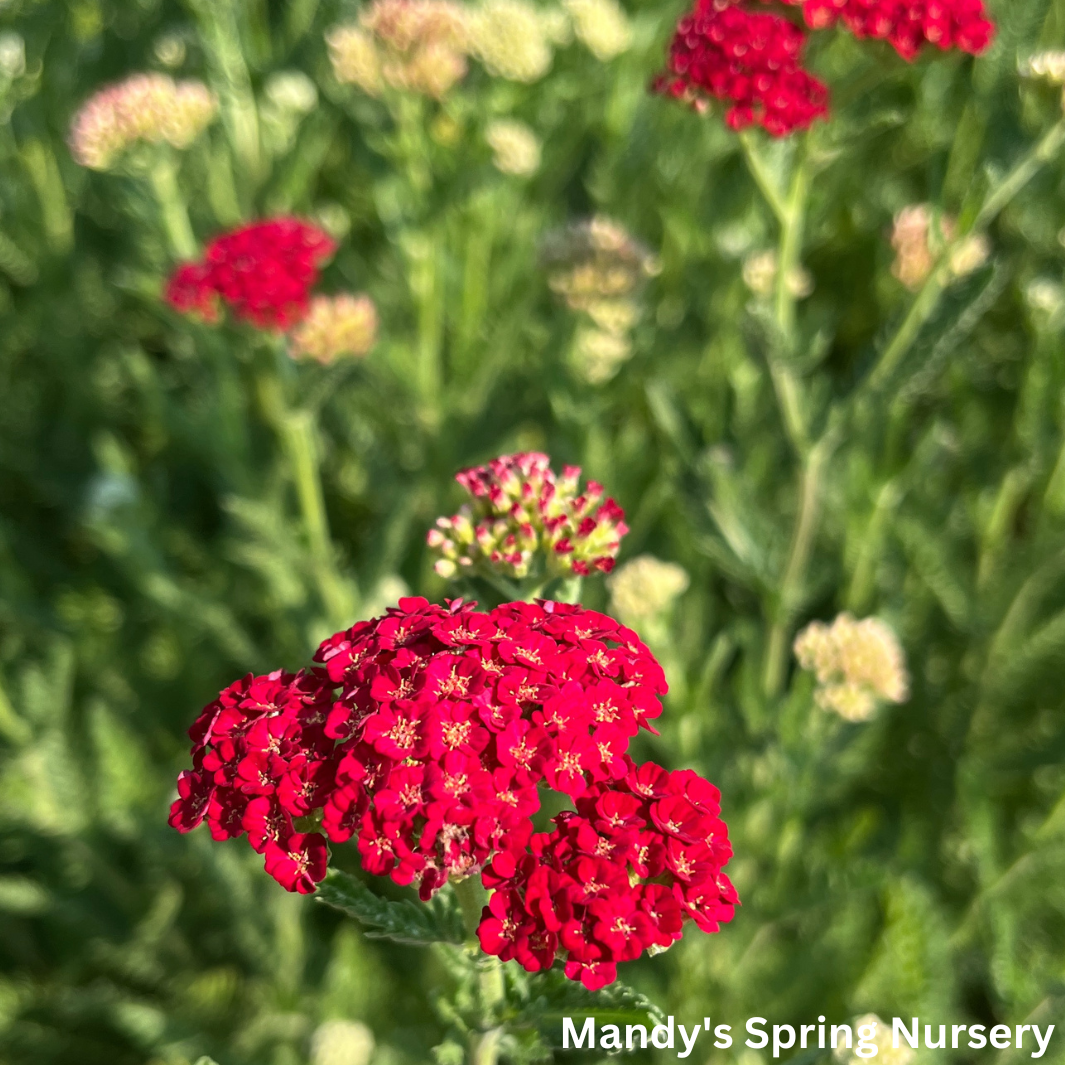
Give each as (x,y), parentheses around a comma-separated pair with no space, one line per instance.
(335,326)
(857,664)
(516,148)
(595,261)
(886,1052)
(601,26)
(145,107)
(510,38)
(760,275)
(598,354)
(1046,66)
(342,1043)
(918,237)
(523,519)
(645,587)
(414,46)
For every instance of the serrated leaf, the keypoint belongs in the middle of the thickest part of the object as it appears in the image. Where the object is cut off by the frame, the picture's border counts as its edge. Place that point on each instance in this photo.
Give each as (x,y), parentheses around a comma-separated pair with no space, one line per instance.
(555,997)
(438,921)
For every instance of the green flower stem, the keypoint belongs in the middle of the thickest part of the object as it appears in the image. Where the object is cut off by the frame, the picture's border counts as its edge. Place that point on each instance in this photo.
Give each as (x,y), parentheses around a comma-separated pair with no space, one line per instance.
(793,583)
(927,299)
(221,36)
(300,18)
(762,178)
(296,431)
(11,725)
(40,163)
(484,1044)
(173,211)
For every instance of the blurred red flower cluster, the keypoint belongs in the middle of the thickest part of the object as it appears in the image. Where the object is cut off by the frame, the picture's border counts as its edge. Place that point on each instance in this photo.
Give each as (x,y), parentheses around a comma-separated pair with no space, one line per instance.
(753,61)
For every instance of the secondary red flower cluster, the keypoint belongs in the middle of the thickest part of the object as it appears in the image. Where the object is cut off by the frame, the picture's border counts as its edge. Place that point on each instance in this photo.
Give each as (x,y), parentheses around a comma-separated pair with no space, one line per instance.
(425,734)
(640,855)
(264,271)
(520,508)
(753,62)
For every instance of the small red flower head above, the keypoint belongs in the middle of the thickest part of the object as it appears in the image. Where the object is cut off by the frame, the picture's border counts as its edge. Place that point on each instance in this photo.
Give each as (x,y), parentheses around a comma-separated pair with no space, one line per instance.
(423,736)
(264,272)
(723,51)
(751,61)
(520,509)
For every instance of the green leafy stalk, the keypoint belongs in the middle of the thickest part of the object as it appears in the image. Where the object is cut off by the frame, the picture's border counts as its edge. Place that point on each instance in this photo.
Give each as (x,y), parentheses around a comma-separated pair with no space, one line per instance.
(926,301)
(173,212)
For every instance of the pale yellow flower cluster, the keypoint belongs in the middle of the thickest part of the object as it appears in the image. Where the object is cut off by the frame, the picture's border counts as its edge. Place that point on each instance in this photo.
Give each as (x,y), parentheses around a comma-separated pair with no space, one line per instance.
(416,46)
(1046,66)
(918,237)
(886,1053)
(644,588)
(597,268)
(760,275)
(857,664)
(342,1043)
(152,108)
(515,146)
(601,26)
(421,46)
(335,326)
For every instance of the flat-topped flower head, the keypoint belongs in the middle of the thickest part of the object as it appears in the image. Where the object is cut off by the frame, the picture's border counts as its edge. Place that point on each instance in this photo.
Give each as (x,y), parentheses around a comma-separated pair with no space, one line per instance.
(857,665)
(148,108)
(750,62)
(907,25)
(522,516)
(594,261)
(421,739)
(335,327)
(263,272)
(645,587)
(515,147)
(415,46)
(601,26)
(919,235)
(511,38)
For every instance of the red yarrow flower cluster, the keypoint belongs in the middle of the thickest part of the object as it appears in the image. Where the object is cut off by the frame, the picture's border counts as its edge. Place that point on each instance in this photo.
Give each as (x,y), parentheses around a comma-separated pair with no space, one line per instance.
(640,855)
(752,61)
(264,272)
(722,50)
(519,509)
(424,736)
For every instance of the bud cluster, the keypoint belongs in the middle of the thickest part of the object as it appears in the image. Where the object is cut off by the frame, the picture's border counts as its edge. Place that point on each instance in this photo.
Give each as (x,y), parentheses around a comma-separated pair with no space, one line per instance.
(335,326)
(145,107)
(521,510)
(857,664)
(424,736)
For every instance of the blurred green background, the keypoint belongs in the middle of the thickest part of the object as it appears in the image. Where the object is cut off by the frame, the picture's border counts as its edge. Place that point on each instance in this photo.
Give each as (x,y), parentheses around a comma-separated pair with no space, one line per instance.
(157,538)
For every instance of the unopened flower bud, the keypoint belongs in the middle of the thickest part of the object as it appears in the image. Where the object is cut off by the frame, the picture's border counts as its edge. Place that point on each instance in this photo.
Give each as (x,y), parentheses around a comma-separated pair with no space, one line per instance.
(522,518)
(1046,66)
(335,326)
(760,276)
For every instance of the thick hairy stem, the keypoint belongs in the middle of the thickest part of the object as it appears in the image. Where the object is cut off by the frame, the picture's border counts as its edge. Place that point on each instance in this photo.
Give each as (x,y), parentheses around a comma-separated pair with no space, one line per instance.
(173,211)
(928,297)
(793,582)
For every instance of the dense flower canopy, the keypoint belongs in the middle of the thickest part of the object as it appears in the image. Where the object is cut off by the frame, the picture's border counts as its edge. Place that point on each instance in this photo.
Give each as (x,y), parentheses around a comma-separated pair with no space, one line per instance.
(725,51)
(264,272)
(424,736)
